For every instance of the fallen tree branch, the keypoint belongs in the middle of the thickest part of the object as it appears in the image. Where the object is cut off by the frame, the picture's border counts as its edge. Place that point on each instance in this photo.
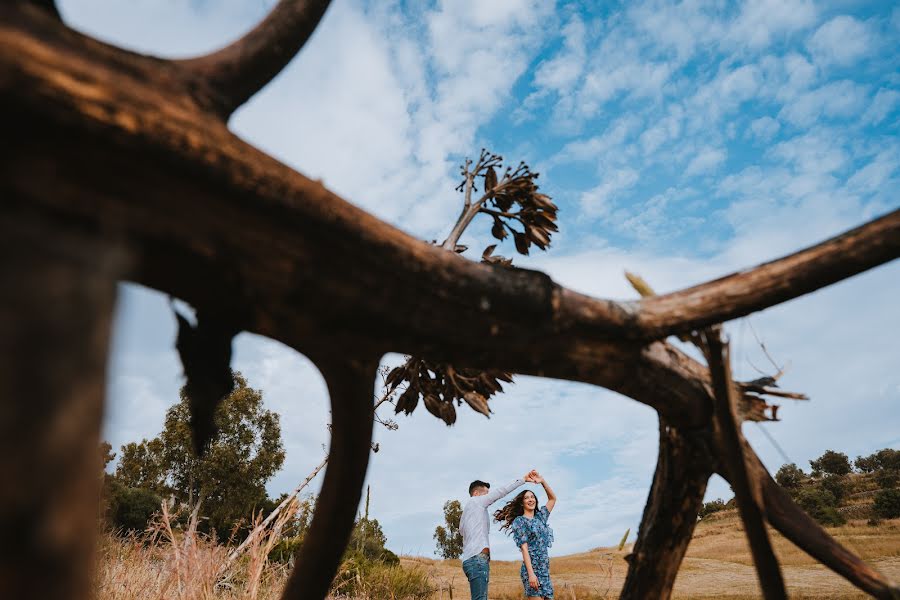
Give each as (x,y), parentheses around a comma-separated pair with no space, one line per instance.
(49,6)
(350,380)
(683,466)
(239,70)
(775,282)
(748,499)
(140,127)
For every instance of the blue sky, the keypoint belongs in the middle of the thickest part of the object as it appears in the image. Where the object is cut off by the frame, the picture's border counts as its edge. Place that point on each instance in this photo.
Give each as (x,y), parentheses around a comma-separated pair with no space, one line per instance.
(681,141)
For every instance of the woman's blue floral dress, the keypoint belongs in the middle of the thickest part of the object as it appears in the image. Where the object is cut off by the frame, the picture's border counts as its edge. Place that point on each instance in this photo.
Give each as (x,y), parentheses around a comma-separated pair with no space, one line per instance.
(539,536)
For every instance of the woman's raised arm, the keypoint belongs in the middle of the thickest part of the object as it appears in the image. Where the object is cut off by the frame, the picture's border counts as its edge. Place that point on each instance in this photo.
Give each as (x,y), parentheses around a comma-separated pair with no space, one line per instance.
(551,497)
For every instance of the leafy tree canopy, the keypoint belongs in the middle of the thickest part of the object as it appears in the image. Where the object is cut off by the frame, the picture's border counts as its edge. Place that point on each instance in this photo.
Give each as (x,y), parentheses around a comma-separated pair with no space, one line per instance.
(230,479)
(448,537)
(831,463)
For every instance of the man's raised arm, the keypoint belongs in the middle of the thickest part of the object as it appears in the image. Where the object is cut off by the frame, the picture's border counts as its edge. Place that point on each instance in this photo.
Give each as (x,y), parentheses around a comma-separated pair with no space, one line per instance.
(502,490)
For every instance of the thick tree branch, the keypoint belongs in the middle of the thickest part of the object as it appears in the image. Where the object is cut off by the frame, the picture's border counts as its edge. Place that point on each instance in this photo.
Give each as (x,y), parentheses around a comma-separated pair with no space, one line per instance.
(56,303)
(48,6)
(238,71)
(364,268)
(350,380)
(745,292)
(683,467)
(748,500)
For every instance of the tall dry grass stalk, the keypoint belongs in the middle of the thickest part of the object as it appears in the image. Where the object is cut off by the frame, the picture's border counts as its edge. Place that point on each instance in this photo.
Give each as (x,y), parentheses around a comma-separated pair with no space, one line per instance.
(170,562)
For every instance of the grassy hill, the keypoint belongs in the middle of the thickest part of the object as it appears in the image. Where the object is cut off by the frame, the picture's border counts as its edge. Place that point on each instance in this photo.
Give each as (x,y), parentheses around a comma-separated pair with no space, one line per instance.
(718,565)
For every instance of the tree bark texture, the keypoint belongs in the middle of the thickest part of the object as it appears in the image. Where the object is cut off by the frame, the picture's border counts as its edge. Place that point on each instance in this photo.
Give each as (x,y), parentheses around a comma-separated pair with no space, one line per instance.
(350,380)
(683,468)
(56,304)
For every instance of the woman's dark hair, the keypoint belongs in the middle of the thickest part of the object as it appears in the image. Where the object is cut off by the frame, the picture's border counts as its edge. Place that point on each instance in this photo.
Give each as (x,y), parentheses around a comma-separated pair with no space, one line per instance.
(513,509)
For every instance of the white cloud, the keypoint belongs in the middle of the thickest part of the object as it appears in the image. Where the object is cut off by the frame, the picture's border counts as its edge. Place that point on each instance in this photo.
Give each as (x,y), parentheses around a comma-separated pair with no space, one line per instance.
(841,41)
(706,160)
(884,103)
(835,99)
(597,201)
(762,20)
(562,71)
(764,128)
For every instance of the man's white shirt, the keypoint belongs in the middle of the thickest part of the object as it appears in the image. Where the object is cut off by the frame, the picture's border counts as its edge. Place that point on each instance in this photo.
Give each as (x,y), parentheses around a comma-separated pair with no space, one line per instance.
(475,524)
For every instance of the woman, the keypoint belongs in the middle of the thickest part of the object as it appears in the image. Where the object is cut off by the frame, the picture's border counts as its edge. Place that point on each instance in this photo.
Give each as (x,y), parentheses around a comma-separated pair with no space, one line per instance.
(528,524)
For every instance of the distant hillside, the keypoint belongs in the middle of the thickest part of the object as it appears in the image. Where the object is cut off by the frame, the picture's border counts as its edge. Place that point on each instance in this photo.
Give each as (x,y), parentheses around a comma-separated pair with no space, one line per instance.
(718,565)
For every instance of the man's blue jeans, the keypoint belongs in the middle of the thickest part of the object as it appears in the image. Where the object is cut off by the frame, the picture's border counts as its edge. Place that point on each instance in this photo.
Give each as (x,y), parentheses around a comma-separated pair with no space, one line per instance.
(478,571)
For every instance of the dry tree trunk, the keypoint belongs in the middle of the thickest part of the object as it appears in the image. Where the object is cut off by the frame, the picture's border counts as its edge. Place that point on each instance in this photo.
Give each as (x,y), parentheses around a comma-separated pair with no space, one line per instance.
(683,468)
(56,305)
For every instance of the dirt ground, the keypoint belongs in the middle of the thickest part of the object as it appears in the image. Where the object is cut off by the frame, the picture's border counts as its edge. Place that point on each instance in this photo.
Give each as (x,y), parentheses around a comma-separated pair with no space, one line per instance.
(718,565)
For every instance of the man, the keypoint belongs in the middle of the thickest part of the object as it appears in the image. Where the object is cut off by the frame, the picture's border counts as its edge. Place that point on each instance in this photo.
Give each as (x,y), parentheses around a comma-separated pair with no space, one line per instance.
(474,525)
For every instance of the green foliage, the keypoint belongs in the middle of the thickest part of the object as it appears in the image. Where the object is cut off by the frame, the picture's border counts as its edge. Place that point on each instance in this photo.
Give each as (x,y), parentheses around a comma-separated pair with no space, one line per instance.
(711,507)
(362,578)
(141,466)
(836,485)
(887,504)
(367,541)
(887,478)
(294,531)
(229,480)
(790,476)
(106,454)
(129,509)
(821,505)
(831,463)
(448,537)
(885,458)
(865,464)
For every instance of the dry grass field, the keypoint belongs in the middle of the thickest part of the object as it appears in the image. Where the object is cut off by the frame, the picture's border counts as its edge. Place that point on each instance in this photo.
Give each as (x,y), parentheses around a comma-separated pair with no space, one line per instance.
(718,565)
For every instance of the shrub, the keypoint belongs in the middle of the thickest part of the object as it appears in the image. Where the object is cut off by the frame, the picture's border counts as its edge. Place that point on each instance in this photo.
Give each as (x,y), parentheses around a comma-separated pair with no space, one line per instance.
(790,476)
(711,507)
(836,485)
(820,505)
(130,509)
(887,478)
(360,577)
(865,464)
(831,463)
(887,504)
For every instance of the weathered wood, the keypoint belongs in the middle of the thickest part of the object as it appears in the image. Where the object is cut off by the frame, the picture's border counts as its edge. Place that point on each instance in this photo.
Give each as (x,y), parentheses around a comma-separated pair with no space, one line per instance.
(289,260)
(56,304)
(683,468)
(351,380)
(746,492)
(229,77)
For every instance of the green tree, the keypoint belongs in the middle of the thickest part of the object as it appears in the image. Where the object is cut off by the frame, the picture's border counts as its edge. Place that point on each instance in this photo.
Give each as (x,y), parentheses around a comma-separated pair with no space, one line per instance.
(831,463)
(821,505)
(129,509)
(106,454)
(711,507)
(886,458)
(790,476)
(865,464)
(141,466)
(887,503)
(230,479)
(887,478)
(836,485)
(448,537)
